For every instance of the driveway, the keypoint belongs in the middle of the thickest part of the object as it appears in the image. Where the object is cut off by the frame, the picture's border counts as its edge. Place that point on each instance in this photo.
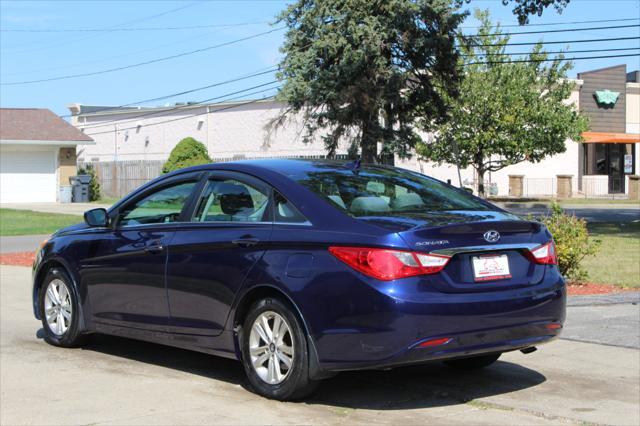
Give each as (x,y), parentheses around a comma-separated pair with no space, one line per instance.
(119,381)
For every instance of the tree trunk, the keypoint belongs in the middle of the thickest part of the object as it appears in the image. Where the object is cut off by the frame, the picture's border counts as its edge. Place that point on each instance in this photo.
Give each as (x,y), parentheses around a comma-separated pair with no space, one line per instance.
(481,192)
(369,143)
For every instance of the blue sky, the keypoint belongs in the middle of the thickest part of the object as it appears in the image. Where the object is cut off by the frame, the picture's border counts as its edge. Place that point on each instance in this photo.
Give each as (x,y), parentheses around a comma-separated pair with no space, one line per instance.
(41,55)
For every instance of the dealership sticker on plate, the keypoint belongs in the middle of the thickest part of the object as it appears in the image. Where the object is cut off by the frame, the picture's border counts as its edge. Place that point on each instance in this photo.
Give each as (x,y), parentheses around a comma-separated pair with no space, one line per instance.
(487,268)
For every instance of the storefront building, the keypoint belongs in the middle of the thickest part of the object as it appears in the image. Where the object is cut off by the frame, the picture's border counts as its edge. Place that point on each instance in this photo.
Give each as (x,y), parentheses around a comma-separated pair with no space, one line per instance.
(609,97)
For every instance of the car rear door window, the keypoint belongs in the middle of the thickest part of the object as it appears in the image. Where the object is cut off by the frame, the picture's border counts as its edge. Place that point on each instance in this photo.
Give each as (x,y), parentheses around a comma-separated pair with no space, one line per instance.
(229,200)
(162,206)
(285,211)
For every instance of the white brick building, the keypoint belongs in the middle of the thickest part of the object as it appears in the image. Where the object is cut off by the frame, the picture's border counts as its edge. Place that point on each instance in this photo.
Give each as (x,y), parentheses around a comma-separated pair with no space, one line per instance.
(237,130)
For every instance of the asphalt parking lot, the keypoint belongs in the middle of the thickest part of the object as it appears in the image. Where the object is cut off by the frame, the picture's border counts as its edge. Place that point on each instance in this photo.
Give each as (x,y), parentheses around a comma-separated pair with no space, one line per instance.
(120,381)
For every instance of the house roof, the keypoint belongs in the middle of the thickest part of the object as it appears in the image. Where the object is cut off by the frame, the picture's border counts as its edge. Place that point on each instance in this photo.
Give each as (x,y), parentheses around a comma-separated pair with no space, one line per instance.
(36,124)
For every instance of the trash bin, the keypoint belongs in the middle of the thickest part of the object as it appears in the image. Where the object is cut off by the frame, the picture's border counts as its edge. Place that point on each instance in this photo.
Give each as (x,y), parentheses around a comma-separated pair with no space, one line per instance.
(80,186)
(65,194)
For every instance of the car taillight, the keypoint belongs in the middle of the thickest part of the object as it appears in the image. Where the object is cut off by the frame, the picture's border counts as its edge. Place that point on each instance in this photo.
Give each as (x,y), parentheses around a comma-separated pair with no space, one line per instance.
(389,265)
(545,254)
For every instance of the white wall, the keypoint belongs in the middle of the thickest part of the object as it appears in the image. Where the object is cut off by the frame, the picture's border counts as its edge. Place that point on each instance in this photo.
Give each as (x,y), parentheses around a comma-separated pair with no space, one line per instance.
(240,132)
(229,133)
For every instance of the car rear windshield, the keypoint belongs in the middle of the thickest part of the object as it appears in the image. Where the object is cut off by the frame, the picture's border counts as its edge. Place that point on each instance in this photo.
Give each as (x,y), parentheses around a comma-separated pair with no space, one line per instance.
(381,191)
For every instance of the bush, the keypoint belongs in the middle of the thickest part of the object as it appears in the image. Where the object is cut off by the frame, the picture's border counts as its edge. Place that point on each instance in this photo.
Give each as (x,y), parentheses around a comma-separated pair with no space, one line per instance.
(572,242)
(94,185)
(188,152)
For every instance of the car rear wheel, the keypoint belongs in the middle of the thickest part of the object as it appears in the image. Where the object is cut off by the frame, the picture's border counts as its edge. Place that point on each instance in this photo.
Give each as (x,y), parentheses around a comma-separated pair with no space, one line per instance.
(473,363)
(275,353)
(59,311)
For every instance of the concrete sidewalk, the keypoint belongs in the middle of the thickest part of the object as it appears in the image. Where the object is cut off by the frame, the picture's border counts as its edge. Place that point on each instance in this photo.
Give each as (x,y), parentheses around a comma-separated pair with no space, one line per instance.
(119,381)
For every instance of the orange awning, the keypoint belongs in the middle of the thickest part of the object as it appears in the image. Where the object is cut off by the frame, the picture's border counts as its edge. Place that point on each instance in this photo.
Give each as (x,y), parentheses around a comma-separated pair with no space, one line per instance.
(604,137)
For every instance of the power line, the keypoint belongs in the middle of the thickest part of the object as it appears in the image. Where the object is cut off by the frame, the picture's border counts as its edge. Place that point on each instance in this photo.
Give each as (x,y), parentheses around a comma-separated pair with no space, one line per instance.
(193,115)
(564,30)
(195,27)
(113,27)
(556,52)
(185,92)
(598,21)
(550,60)
(181,107)
(139,64)
(92,30)
(561,42)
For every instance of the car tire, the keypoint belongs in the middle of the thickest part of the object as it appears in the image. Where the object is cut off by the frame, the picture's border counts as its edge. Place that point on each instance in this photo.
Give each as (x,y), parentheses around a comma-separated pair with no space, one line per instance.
(263,360)
(474,362)
(59,310)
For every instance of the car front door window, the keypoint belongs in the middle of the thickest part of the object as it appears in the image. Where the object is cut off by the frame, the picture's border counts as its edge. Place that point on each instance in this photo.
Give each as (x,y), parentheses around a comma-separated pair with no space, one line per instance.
(163,206)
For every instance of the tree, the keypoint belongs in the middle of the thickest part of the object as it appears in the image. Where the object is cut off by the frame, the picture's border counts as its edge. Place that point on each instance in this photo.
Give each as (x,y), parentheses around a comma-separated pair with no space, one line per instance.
(507,111)
(362,68)
(188,152)
(525,8)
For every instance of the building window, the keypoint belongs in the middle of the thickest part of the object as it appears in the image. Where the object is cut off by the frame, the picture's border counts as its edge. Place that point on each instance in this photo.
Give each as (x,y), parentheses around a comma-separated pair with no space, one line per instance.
(609,158)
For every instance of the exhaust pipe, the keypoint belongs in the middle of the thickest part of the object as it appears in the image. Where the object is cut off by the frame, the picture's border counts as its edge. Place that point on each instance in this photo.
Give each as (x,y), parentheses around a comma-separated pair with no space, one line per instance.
(528,350)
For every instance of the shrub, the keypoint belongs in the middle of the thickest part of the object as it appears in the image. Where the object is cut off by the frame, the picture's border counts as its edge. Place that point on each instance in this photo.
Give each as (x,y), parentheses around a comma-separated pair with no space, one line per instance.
(188,152)
(94,185)
(572,242)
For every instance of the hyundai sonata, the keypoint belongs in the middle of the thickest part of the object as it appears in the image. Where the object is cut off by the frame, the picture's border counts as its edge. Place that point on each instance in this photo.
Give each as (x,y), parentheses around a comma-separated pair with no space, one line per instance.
(301,269)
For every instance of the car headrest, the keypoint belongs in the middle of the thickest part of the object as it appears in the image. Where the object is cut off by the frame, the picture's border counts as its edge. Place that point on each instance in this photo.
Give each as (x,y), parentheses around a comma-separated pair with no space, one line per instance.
(407,200)
(367,205)
(234,198)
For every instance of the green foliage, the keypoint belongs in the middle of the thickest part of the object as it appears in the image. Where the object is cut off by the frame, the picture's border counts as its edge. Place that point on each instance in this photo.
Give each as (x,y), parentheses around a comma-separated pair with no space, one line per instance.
(524,8)
(188,152)
(362,69)
(572,240)
(94,185)
(507,111)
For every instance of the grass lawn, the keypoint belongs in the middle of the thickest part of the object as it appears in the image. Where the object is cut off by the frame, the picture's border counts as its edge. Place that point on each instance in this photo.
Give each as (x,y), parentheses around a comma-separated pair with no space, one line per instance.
(106,200)
(26,222)
(618,259)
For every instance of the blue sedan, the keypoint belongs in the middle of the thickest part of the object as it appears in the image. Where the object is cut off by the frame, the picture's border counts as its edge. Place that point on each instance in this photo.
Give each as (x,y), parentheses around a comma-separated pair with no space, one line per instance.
(301,269)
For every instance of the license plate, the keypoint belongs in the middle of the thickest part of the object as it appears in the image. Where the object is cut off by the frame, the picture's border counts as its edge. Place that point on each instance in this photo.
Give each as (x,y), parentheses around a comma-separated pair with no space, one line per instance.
(492,267)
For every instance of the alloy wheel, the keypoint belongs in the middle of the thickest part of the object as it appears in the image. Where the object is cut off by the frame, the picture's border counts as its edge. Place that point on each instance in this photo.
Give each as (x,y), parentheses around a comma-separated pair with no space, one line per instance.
(57,307)
(271,347)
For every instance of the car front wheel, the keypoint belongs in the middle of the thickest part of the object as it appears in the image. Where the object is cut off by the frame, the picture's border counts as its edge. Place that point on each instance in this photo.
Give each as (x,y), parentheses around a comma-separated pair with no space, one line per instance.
(59,311)
(275,353)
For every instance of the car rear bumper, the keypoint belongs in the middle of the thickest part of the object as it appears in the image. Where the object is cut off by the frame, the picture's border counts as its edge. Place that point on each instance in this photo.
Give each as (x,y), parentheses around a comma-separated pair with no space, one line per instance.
(460,346)
(387,332)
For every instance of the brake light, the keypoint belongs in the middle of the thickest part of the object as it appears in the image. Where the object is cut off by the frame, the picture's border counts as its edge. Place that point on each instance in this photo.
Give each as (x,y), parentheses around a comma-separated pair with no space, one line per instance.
(545,254)
(389,265)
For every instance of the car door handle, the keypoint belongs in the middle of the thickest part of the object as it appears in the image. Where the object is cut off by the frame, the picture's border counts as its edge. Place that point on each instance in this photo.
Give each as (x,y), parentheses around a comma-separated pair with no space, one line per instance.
(245,242)
(154,247)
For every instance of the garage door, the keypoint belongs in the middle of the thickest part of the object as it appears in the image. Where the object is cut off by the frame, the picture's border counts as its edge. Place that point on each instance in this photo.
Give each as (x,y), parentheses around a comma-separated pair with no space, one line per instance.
(27,176)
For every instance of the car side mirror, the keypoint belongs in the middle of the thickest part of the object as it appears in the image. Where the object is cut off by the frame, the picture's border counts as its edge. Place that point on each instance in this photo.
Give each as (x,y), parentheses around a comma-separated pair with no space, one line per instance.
(96,217)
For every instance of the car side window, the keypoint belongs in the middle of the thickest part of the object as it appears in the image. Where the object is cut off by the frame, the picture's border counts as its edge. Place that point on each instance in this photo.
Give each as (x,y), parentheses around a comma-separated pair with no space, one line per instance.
(285,211)
(162,206)
(229,200)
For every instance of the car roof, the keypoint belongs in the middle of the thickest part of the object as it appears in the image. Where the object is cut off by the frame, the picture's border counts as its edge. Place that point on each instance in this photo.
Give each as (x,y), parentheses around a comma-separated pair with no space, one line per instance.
(282,165)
